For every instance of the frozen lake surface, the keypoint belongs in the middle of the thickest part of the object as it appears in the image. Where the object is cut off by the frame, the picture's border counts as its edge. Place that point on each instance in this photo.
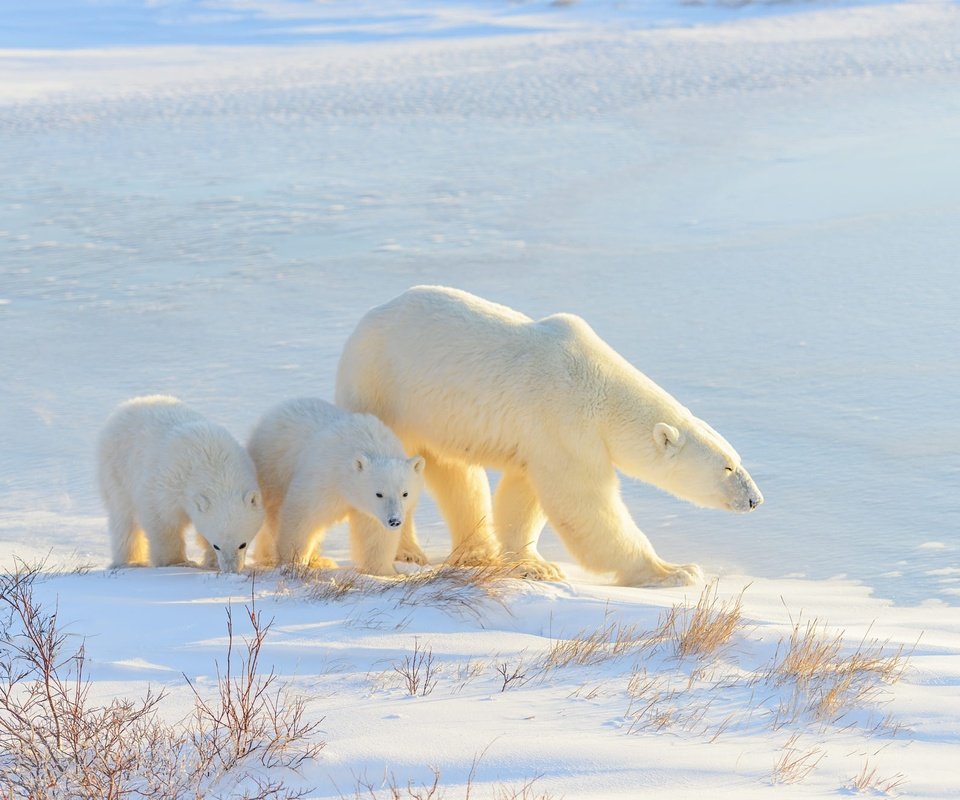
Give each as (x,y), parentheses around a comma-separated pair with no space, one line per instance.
(763,218)
(755,205)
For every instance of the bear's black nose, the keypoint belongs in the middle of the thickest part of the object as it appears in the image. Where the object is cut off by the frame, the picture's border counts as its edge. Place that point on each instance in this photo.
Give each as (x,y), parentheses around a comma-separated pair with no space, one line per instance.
(395,522)
(754,503)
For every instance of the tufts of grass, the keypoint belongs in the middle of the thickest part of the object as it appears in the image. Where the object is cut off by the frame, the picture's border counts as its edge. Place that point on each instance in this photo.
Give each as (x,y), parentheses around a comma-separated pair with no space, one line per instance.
(826,681)
(610,641)
(454,590)
(708,628)
(867,781)
(795,762)
(657,705)
(389,788)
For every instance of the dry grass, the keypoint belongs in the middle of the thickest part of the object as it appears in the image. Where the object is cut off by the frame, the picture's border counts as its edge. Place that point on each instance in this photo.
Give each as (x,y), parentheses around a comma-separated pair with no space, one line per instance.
(56,743)
(867,780)
(707,628)
(454,590)
(656,705)
(700,632)
(610,641)
(795,762)
(467,671)
(390,789)
(827,683)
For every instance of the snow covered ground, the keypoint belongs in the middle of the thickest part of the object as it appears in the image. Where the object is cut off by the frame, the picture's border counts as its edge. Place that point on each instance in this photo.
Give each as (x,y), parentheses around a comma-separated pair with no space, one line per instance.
(757,206)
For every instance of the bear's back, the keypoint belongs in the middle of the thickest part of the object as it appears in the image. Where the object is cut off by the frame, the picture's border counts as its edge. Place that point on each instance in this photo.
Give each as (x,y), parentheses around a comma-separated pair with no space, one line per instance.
(472,378)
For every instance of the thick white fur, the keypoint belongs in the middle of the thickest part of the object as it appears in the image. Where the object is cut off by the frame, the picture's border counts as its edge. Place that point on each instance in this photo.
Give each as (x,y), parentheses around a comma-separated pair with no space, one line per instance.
(471,384)
(163,466)
(318,465)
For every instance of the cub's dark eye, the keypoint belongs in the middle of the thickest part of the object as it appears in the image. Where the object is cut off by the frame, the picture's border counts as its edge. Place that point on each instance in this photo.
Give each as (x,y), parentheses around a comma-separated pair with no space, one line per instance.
(242,546)
(216,547)
(405,494)
(379,494)
(728,469)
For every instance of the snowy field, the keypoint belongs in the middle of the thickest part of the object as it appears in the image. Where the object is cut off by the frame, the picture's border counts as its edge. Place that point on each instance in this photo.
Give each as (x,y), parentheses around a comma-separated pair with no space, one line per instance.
(757,206)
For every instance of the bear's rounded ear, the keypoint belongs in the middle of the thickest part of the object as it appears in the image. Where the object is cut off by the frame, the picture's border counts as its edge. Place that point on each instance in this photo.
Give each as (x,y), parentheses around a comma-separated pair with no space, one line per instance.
(253,499)
(418,463)
(666,437)
(359,463)
(201,502)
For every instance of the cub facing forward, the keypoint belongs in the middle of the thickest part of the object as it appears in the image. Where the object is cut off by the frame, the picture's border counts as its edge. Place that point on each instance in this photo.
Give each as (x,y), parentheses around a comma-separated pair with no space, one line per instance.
(471,384)
(319,465)
(163,466)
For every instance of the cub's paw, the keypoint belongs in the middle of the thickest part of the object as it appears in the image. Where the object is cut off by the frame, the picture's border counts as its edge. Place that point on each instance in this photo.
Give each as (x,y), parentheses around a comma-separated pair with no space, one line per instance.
(412,555)
(128,564)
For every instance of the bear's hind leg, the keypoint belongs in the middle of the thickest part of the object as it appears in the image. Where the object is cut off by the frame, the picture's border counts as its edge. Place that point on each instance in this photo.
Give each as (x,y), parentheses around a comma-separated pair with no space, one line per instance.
(168,546)
(519,521)
(372,546)
(463,494)
(128,543)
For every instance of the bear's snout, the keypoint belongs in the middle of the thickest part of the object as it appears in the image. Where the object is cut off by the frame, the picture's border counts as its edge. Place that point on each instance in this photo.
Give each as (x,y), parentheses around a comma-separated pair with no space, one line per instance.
(394,522)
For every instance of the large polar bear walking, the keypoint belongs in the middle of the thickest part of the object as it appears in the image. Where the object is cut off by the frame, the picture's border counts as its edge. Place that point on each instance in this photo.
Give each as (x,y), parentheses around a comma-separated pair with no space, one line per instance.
(163,466)
(318,465)
(471,384)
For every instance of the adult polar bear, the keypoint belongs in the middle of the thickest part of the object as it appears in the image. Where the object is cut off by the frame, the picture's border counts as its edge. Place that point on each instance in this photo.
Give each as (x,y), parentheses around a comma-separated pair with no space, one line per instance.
(470,384)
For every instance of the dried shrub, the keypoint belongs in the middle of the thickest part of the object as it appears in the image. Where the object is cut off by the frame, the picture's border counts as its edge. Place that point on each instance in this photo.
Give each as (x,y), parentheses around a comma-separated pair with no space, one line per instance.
(56,743)
(417,670)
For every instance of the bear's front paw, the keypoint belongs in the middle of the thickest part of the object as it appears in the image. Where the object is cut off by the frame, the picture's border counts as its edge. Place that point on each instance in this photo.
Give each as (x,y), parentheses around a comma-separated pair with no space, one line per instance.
(412,554)
(663,574)
(321,562)
(681,575)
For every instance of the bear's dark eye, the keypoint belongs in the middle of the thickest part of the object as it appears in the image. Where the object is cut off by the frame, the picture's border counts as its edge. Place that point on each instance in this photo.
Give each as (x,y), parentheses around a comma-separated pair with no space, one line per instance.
(379,494)
(242,546)
(728,469)
(404,494)
(216,547)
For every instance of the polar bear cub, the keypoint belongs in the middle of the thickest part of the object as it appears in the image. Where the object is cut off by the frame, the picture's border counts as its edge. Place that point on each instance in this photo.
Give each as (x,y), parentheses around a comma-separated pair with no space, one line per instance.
(163,466)
(319,465)
(471,384)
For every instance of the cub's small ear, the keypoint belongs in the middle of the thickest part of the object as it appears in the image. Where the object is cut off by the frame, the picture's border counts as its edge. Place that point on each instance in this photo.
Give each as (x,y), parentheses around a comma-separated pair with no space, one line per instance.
(360,463)
(667,438)
(253,499)
(418,463)
(201,502)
